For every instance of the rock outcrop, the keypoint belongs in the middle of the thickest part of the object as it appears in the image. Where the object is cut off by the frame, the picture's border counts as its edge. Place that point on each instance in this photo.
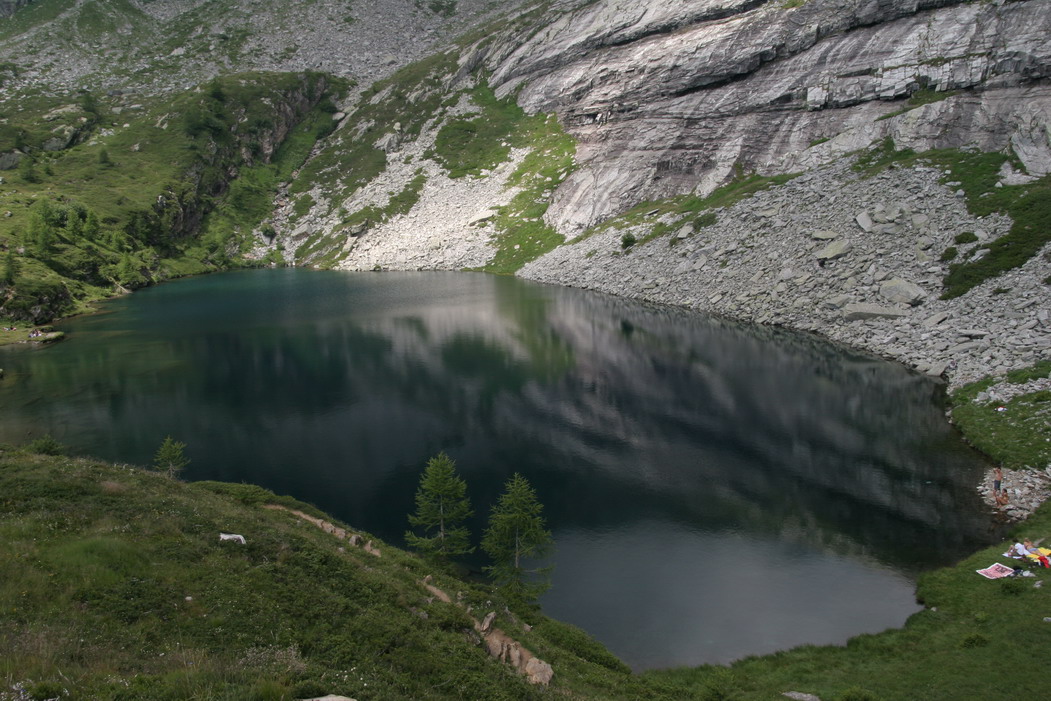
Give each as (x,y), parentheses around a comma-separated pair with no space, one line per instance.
(1025,489)
(499,644)
(675,97)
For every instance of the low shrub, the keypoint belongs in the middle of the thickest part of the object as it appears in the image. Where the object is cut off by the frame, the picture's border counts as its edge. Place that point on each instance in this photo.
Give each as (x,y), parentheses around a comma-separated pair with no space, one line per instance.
(1011,586)
(580,644)
(974,640)
(45,445)
(856,693)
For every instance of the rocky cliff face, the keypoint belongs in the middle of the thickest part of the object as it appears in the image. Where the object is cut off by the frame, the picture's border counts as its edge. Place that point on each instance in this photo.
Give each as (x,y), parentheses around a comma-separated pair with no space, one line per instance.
(675,97)
(681,97)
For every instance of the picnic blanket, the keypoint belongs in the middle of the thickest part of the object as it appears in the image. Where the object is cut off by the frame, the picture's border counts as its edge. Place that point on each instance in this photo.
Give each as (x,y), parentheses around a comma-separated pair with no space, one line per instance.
(996,571)
(1041,557)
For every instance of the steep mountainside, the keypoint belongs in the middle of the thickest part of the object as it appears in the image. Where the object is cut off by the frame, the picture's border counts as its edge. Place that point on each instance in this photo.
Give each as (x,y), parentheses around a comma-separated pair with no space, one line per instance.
(556,123)
(675,97)
(117,586)
(145,140)
(553,122)
(875,171)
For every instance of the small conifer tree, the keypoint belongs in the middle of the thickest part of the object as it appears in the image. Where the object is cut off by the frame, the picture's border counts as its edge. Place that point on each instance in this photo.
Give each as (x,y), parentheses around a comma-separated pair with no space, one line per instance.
(75,226)
(170,458)
(92,226)
(516,532)
(441,508)
(40,236)
(27,170)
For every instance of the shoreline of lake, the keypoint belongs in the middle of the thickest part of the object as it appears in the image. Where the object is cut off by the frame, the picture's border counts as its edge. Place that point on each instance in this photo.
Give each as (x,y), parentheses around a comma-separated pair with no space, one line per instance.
(697,429)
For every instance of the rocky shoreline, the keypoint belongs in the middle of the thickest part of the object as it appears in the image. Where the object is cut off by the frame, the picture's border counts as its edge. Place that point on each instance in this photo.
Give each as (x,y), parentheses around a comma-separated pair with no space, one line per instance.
(855,259)
(1026,490)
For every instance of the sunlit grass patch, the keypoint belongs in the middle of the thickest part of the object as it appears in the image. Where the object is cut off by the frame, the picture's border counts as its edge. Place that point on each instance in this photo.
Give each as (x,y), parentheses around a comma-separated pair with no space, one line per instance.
(1019,434)
(480,141)
(521,235)
(686,209)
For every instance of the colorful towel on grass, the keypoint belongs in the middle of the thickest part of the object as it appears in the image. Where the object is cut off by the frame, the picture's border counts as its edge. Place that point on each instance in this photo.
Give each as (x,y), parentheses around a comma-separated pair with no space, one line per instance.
(996,571)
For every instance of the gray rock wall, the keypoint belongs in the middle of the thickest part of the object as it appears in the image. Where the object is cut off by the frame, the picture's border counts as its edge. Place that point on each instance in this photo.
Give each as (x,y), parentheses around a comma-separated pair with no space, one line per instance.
(669,98)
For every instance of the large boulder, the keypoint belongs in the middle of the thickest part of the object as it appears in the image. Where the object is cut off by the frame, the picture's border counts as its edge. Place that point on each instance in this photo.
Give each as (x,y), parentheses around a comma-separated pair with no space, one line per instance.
(837,249)
(858,312)
(898,290)
(10,159)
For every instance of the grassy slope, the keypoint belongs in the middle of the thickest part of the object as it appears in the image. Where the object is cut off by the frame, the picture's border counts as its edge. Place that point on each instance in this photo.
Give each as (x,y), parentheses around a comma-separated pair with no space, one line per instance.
(124,203)
(115,585)
(1020,436)
(419,96)
(954,649)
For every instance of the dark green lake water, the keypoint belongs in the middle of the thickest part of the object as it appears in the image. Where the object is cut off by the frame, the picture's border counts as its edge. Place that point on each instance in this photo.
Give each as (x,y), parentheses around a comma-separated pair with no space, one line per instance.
(715,490)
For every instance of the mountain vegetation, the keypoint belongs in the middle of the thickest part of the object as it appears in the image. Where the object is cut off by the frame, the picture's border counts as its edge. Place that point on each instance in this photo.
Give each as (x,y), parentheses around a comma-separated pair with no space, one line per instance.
(441,508)
(140,191)
(515,535)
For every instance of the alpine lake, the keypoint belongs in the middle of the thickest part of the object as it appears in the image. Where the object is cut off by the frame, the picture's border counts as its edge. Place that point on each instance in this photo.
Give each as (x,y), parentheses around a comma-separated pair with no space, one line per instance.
(715,490)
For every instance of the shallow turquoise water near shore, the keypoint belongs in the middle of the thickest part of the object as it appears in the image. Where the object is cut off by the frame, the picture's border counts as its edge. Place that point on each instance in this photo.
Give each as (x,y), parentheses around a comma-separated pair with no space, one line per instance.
(715,490)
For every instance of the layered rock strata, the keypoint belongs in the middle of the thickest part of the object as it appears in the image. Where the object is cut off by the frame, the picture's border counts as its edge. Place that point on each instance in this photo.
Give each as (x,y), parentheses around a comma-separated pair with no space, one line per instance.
(679,96)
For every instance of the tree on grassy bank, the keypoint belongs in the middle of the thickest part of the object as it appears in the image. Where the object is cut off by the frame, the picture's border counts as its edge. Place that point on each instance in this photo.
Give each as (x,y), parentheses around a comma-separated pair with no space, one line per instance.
(170,458)
(516,532)
(441,508)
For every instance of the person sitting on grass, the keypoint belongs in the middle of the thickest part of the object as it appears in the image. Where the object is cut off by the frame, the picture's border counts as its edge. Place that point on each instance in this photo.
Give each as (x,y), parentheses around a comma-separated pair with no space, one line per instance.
(1019,550)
